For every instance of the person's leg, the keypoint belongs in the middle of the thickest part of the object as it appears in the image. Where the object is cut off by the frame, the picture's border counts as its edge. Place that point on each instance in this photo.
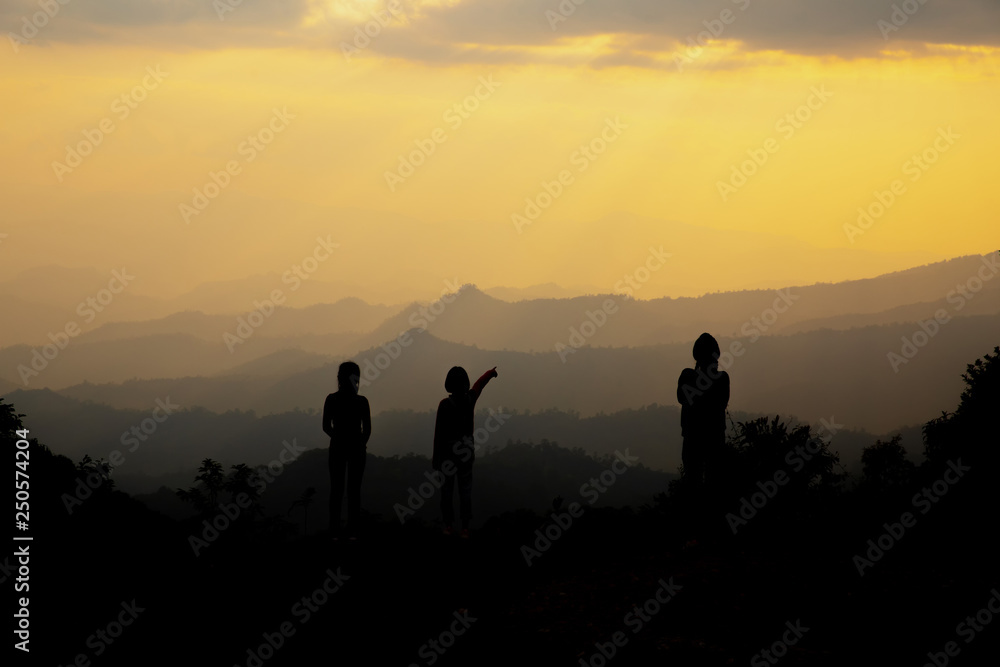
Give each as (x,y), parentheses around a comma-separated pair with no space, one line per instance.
(338,463)
(715,476)
(711,463)
(447,509)
(355,471)
(693,458)
(465,496)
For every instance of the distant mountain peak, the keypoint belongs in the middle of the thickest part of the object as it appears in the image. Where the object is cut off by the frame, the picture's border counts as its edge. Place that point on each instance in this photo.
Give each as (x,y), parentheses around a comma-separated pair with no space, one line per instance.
(471,289)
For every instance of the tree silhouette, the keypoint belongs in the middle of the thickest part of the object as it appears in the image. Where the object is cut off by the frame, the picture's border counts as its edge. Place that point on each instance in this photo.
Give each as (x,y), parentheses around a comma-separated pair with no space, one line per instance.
(886,469)
(970,431)
(204,496)
(242,481)
(304,501)
(762,447)
(10,420)
(100,467)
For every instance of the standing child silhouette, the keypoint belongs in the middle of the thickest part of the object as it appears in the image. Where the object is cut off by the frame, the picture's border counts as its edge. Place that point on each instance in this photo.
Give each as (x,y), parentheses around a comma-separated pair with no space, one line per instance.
(703,392)
(347,420)
(454,447)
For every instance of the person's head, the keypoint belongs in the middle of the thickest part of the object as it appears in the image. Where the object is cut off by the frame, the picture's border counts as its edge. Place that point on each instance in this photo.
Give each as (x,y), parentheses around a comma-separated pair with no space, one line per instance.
(706,350)
(457,381)
(348,377)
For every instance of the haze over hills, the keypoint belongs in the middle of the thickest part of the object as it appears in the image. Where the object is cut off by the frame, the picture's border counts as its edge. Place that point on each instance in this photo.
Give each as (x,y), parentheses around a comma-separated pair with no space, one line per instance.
(193,343)
(845,374)
(537,325)
(342,317)
(48,298)
(699,262)
(546,291)
(986,302)
(198,344)
(852,353)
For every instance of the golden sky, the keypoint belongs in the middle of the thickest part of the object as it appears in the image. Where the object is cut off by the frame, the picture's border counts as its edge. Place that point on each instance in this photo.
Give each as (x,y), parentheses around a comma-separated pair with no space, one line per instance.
(662,140)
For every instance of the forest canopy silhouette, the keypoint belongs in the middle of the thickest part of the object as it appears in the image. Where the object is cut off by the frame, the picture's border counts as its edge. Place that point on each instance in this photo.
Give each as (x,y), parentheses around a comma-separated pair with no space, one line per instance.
(787,517)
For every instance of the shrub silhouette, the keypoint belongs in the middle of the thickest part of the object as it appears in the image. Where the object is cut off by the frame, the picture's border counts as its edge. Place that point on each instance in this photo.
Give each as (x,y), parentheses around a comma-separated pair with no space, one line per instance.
(970,431)
(304,501)
(211,482)
(885,468)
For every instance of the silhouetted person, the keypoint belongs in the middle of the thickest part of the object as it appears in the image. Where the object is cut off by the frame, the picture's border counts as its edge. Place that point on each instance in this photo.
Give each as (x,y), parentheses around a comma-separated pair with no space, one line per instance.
(347,420)
(454,447)
(703,392)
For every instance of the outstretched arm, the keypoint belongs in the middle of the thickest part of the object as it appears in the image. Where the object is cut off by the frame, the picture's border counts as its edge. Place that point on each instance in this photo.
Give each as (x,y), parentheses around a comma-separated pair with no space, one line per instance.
(477,388)
(366,421)
(328,416)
